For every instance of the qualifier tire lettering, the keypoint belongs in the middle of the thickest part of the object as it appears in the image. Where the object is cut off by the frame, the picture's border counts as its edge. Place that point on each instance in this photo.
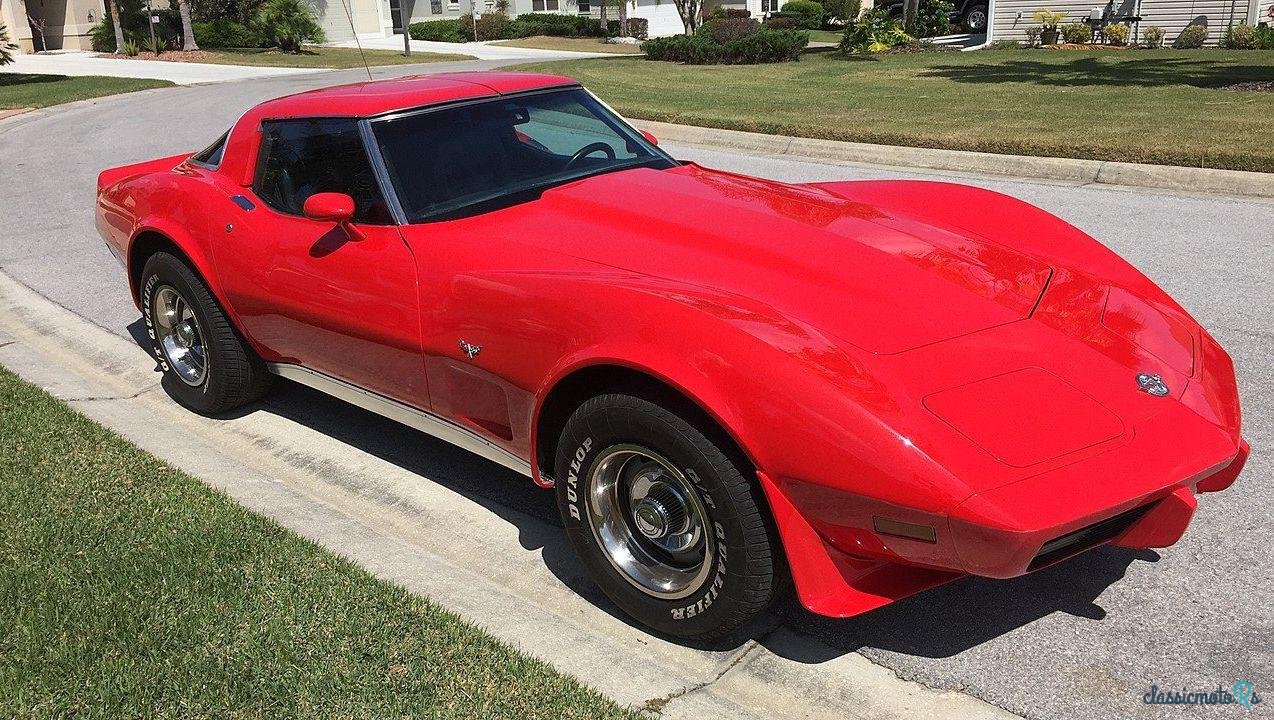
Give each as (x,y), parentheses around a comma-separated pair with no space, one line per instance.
(705,602)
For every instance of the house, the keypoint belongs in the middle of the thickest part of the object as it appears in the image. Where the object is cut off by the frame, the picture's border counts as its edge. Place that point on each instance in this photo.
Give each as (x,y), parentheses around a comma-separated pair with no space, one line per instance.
(660,14)
(1010,18)
(66,22)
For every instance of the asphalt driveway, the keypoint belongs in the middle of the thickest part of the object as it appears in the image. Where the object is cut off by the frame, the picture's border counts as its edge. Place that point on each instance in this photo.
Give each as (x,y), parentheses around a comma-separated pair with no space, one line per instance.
(1087,637)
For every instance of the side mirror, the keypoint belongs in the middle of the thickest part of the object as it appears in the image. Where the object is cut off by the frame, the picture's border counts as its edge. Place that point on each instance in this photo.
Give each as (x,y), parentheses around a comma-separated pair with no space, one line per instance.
(649,138)
(329,206)
(332,207)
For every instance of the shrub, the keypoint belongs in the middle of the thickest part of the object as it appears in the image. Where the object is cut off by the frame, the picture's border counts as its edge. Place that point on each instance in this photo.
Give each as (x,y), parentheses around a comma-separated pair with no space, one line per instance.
(6,46)
(133,19)
(839,12)
(1077,33)
(721,11)
(1048,19)
(724,30)
(131,48)
(767,46)
(1033,36)
(782,22)
(1003,45)
(102,36)
(932,20)
(1152,37)
(290,24)
(807,12)
(874,31)
(762,46)
(1191,38)
(225,33)
(1240,37)
(491,26)
(1117,34)
(440,31)
(1264,37)
(556,25)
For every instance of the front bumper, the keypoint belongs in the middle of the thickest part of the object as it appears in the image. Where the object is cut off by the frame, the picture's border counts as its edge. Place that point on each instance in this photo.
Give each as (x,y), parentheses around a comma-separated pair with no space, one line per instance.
(1140,495)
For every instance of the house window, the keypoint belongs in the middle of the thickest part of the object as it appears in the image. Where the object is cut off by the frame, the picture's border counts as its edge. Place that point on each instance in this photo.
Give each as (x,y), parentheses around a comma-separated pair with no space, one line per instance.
(584,7)
(769,6)
(453,4)
(543,5)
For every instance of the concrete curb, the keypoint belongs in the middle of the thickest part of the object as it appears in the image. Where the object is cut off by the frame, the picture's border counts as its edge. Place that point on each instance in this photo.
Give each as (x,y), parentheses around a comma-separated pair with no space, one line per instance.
(496,566)
(1104,172)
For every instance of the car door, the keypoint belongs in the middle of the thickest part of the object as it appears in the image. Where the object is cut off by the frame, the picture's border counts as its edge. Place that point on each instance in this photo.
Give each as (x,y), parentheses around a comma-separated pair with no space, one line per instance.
(308,291)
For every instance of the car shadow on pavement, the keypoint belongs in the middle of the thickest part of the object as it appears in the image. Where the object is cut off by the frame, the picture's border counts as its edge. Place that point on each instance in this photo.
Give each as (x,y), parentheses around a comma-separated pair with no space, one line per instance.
(965,613)
(940,622)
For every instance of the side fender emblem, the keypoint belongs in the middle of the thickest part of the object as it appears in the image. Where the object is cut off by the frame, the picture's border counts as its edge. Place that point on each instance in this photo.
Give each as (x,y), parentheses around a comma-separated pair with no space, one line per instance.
(469,349)
(1152,384)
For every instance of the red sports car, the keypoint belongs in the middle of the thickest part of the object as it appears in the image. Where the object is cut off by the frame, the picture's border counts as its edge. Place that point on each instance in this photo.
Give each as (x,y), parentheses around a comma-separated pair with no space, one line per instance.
(869,387)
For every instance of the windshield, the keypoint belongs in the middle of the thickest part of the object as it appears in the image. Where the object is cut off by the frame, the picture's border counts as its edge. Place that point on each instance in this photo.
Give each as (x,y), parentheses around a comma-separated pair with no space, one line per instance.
(445,161)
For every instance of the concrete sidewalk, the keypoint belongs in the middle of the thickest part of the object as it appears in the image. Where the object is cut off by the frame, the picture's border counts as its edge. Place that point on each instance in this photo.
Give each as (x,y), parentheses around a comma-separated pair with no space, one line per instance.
(479,50)
(182,73)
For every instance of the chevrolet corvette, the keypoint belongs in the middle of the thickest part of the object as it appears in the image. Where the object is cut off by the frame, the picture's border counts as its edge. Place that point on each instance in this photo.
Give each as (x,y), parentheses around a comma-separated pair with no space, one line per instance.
(735,386)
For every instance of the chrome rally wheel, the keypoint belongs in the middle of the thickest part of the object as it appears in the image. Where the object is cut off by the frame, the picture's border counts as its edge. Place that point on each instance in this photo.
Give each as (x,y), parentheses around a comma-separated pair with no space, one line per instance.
(208,367)
(179,336)
(649,521)
(661,510)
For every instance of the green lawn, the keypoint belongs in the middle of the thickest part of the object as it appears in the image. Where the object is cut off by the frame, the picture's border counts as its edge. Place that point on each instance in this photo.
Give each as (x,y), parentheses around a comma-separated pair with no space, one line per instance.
(20,90)
(323,57)
(1138,106)
(545,42)
(831,36)
(128,589)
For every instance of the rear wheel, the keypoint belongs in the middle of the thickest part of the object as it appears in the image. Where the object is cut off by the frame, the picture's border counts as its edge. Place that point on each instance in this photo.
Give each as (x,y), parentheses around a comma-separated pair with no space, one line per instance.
(664,520)
(207,366)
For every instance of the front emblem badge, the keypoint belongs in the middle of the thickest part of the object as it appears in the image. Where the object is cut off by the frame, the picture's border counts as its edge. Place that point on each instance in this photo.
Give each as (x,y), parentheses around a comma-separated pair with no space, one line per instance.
(469,349)
(1152,384)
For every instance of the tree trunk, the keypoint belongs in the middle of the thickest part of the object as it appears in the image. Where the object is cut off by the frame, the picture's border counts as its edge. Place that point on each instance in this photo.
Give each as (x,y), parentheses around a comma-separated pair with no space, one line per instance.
(910,9)
(601,16)
(119,31)
(689,12)
(187,28)
(623,18)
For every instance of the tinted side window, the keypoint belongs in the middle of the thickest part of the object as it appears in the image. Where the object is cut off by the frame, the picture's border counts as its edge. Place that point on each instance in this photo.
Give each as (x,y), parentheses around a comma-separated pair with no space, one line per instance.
(302,157)
(211,155)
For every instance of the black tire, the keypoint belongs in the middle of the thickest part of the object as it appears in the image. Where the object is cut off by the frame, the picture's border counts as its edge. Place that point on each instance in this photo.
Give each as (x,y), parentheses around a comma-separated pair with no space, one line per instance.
(233,373)
(975,18)
(741,573)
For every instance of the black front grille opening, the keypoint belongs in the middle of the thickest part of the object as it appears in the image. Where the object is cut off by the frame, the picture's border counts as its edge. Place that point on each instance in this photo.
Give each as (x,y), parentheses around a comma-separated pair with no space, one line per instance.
(1087,537)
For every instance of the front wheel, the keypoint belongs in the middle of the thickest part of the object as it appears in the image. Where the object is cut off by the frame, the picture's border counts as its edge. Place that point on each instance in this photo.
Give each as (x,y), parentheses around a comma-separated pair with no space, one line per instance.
(975,19)
(667,524)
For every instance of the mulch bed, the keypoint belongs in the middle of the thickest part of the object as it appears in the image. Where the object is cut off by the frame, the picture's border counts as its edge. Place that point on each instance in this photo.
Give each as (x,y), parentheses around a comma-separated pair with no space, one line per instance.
(167,56)
(1085,46)
(1254,86)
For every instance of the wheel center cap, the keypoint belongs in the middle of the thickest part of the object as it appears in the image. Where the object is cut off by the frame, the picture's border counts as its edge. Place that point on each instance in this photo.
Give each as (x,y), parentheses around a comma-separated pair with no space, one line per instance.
(651,518)
(185,334)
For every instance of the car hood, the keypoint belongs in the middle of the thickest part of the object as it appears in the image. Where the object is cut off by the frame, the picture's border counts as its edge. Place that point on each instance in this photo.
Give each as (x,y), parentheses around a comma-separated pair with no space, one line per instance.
(880,282)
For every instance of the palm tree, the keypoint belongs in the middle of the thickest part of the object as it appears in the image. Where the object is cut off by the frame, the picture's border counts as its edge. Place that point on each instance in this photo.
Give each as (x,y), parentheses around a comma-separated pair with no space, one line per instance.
(187,29)
(119,30)
(623,18)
